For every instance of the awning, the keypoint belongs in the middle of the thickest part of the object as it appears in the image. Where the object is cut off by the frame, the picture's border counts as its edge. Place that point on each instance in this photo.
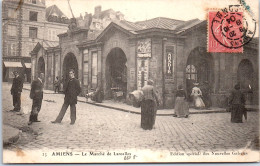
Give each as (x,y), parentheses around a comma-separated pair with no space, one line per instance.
(13,64)
(28,65)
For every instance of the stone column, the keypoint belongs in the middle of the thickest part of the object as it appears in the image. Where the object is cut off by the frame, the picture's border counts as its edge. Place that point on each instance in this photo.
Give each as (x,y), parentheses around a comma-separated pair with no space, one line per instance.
(100,66)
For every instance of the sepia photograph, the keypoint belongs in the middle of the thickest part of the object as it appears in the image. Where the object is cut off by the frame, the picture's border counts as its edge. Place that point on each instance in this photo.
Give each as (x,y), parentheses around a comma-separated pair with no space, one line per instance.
(130,81)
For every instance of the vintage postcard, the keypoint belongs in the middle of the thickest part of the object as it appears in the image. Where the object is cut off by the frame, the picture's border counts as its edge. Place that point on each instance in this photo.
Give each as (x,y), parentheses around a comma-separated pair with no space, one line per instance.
(133,81)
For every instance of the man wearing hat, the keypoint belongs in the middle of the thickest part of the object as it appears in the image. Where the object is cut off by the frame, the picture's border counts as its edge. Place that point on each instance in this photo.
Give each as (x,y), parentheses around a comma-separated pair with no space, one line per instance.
(16,91)
(36,94)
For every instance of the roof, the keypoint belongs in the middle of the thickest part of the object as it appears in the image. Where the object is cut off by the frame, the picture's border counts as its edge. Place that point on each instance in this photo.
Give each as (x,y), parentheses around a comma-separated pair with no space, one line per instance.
(189,24)
(45,45)
(131,28)
(160,22)
(54,10)
(93,35)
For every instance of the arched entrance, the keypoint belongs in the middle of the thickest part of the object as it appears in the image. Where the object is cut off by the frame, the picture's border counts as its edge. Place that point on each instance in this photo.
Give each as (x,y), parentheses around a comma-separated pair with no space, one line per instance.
(245,75)
(116,72)
(41,66)
(70,62)
(199,68)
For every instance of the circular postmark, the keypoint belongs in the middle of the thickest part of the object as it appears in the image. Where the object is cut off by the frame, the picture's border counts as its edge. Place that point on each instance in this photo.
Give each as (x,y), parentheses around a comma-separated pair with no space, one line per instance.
(232,29)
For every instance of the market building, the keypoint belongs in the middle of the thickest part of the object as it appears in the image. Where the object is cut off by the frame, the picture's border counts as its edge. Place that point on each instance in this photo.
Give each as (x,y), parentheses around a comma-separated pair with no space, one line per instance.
(24,26)
(124,55)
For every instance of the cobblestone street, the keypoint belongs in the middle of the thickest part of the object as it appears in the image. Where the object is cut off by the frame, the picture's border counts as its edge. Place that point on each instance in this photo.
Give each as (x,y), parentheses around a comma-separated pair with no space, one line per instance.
(98,128)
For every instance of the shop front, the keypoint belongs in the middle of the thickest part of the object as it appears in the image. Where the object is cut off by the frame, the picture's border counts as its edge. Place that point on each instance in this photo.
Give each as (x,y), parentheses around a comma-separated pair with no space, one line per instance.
(22,65)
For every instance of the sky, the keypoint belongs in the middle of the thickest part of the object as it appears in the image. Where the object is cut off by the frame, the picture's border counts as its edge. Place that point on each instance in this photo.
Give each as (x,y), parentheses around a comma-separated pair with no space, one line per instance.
(138,10)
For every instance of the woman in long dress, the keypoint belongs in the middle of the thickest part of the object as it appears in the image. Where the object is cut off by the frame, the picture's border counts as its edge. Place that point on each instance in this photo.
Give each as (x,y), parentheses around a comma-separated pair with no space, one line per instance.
(149,106)
(181,106)
(196,94)
(237,102)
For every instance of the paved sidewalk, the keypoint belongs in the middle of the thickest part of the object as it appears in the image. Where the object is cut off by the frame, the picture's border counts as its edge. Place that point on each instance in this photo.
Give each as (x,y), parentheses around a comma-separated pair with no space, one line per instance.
(128,108)
(102,129)
(10,134)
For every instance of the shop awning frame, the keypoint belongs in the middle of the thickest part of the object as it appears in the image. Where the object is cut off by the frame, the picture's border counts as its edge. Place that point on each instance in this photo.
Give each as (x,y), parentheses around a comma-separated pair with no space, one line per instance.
(13,64)
(28,65)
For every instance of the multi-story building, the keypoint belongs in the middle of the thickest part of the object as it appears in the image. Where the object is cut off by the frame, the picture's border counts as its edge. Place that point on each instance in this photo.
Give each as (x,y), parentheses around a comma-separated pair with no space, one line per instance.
(100,20)
(26,23)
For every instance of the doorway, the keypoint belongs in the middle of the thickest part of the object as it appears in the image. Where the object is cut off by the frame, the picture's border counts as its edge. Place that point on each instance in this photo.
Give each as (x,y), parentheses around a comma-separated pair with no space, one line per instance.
(70,62)
(116,73)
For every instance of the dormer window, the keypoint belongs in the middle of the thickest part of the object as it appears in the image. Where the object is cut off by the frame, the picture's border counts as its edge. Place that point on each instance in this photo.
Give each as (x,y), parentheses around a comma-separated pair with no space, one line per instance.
(34,1)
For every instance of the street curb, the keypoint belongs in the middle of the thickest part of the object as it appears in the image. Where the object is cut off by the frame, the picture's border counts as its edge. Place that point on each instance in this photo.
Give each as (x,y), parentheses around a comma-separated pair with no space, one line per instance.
(133,112)
(124,110)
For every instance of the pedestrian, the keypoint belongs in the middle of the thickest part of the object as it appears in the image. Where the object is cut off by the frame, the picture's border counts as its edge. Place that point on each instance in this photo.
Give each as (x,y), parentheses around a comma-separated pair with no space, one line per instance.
(36,95)
(205,89)
(98,95)
(196,94)
(71,90)
(149,106)
(237,103)
(16,91)
(181,105)
(57,85)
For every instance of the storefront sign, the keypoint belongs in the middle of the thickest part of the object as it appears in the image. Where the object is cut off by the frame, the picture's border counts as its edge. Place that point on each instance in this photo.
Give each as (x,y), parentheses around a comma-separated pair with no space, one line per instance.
(132,74)
(142,76)
(169,62)
(144,48)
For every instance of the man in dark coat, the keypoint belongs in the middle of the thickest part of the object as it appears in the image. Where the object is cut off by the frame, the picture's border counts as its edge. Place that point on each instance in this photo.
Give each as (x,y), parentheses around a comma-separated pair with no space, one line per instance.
(16,91)
(36,95)
(71,90)
(205,89)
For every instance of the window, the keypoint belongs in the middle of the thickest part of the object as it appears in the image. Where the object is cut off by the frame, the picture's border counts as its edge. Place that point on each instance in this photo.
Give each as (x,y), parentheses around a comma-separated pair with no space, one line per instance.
(12,13)
(12,30)
(33,16)
(94,70)
(34,1)
(11,49)
(33,32)
(191,72)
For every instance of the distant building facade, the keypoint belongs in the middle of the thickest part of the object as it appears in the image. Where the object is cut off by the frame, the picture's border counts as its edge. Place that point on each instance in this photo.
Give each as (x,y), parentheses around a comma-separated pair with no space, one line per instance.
(124,55)
(24,26)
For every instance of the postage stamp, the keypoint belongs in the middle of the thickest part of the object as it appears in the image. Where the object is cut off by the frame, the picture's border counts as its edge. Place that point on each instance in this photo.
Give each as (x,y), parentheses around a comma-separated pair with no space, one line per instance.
(229,29)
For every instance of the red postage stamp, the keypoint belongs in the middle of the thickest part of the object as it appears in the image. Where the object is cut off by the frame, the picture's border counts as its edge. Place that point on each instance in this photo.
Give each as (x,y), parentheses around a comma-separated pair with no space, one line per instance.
(225,31)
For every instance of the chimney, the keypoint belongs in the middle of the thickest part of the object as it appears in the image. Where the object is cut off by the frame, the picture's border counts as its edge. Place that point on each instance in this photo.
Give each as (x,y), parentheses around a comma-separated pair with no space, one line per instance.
(97,11)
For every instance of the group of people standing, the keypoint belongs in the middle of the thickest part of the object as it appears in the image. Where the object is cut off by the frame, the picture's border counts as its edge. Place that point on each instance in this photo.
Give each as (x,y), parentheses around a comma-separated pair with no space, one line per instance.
(71,90)
(149,102)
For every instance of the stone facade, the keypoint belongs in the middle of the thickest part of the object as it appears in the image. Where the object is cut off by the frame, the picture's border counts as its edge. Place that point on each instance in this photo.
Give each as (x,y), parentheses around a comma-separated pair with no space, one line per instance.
(167,56)
(22,30)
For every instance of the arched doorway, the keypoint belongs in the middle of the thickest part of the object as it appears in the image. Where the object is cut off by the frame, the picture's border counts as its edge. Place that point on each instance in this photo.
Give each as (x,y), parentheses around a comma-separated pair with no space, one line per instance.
(41,66)
(245,75)
(70,62)
(116,72)
(199,68)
